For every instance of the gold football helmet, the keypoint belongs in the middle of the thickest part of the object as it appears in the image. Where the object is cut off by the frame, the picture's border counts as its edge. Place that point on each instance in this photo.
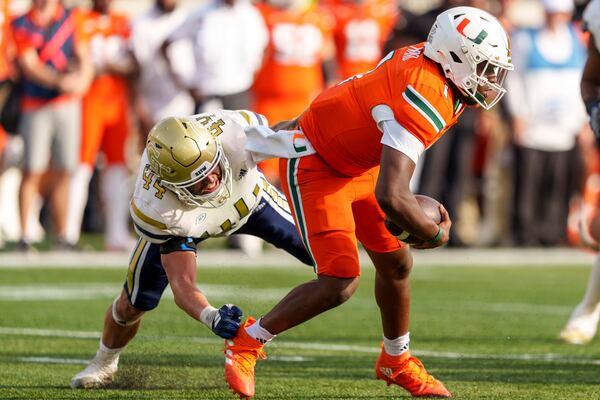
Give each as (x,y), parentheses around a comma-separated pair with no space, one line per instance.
(182,153)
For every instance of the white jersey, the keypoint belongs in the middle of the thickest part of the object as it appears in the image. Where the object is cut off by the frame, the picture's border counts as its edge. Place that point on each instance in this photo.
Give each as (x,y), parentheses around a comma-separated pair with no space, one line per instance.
(159,215)
(591,19)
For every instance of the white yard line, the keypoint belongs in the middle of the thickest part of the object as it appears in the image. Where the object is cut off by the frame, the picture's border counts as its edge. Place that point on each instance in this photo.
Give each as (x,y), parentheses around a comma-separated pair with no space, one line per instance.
(274,258)
(88,291)
(53,360)
(546,357)
(79,291)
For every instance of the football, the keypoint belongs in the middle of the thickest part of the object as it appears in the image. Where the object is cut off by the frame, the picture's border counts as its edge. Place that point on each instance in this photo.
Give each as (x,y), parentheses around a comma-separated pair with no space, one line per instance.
(430,206)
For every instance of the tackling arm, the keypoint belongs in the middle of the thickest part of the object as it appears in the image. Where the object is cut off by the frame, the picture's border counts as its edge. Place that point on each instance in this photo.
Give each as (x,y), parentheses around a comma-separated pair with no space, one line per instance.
(180,267)
(397,201)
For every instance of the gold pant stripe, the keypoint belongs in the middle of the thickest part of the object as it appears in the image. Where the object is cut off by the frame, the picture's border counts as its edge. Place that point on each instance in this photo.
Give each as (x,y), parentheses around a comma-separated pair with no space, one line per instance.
(133,263)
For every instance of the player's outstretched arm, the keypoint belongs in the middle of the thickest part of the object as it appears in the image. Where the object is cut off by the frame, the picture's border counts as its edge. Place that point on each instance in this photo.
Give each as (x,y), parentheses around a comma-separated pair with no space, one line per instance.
(180,267)
(398,202)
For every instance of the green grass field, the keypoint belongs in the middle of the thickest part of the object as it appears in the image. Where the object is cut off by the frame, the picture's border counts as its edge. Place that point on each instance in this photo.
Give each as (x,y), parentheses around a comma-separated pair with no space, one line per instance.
(488,333)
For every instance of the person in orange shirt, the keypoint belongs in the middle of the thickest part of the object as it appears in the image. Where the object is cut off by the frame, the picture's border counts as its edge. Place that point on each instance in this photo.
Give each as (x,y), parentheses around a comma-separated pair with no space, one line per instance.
(361,28)
(368,133)
(6,67)
(105,125)
(300,48)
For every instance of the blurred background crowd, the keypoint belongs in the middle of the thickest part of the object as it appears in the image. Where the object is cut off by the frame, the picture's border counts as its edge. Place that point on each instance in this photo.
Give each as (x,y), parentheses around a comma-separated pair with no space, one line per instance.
(82,82)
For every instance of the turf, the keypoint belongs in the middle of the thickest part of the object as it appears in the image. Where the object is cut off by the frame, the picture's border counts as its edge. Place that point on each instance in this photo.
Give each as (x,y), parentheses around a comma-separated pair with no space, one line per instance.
(488,333)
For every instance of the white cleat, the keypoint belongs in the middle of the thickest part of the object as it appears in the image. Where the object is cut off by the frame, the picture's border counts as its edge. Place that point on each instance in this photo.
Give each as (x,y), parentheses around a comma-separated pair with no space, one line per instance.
(581,327)
(97,374)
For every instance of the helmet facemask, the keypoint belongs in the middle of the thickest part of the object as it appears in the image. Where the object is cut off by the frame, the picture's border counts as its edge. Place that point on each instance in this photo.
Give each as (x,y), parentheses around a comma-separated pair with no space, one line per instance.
(473,50)
(215,198)
(485,85)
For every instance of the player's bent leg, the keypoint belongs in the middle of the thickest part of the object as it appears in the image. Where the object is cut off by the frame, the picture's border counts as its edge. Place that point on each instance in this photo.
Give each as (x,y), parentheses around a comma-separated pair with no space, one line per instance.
(121,324)
(301,304)
(583,322)
(408,372)
(395,364)
(582,325)
(274,223)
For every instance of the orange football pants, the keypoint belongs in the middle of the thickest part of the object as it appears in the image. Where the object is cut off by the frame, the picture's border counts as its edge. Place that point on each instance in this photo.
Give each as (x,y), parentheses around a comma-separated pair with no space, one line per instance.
(105,122)
(332,211)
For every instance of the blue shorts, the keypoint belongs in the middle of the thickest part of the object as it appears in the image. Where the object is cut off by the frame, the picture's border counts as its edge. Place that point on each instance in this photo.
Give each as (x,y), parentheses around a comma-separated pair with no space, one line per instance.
(147,280)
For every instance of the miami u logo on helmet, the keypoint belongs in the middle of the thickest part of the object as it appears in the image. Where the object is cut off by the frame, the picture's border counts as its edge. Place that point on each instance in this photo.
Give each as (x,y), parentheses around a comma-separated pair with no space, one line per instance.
(478,39)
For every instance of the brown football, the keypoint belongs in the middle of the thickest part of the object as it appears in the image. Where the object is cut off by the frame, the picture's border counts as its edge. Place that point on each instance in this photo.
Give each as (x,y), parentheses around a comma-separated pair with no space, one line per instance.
(430,206)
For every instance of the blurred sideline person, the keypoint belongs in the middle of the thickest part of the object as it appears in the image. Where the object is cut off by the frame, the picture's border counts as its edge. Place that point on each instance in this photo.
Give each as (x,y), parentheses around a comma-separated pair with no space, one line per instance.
(583,323)
(105,127)
(225,63)
(53,57)
(9,211)
(365,158)
(156,95)
(361,28)
(298,63)
(195,182)
(547,120)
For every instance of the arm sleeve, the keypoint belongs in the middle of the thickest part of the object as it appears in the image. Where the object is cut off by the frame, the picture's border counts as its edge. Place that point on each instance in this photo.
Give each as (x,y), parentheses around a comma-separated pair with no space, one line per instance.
(178,244)
(395,135)
(425,109)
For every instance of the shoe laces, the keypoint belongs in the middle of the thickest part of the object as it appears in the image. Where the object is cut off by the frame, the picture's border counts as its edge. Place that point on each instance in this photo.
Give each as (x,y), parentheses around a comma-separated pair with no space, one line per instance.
(245,356)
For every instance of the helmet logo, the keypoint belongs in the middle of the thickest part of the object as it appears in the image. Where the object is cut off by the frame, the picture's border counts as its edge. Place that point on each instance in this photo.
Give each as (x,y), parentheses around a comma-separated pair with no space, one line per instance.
(478,39)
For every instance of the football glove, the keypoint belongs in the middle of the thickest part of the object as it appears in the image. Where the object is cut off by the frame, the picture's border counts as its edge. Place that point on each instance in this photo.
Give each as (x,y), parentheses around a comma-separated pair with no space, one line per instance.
(226,321)
(593,110)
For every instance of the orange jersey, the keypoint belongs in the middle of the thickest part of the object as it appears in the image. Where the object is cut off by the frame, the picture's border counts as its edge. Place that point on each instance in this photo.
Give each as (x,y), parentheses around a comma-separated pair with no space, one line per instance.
(6,47)
(360,32)
(108,36)
(293,58)
(342,130)
(105,106)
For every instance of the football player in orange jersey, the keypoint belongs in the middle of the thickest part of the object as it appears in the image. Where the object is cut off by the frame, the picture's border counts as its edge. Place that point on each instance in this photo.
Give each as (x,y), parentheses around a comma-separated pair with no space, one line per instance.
(105,125)
(361,28)
(368,133)
(297,63)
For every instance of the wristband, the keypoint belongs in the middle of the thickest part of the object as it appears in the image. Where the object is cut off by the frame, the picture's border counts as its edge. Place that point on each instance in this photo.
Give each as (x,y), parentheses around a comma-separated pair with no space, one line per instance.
(207,316)
(437,236)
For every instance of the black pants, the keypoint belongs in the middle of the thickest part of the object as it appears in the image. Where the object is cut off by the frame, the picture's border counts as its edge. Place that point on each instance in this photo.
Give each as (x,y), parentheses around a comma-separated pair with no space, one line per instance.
(542,188)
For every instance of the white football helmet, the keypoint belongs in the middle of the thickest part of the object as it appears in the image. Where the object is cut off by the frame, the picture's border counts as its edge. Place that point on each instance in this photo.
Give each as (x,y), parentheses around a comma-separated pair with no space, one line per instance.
(182,153)
(474,52)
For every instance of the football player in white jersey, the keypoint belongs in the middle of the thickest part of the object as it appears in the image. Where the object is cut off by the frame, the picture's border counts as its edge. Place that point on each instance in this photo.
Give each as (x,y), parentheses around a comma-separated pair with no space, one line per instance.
(195,181)
(583,323)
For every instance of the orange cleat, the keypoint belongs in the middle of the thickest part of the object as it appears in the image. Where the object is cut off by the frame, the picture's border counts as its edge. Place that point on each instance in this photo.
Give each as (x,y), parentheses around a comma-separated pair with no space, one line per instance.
(407,371)
(241,354)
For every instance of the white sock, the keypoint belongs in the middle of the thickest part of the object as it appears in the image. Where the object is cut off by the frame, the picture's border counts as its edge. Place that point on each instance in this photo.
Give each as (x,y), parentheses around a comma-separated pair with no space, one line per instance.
(78,195)
(398,346)
(592,293)
(115,196)
(108,355)
(259,333)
